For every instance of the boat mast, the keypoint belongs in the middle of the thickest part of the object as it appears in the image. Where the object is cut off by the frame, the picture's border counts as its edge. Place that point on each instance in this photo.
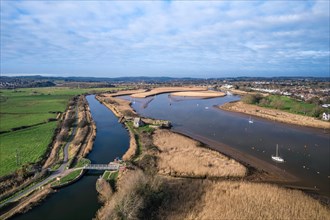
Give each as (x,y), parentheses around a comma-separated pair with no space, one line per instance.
(276,150)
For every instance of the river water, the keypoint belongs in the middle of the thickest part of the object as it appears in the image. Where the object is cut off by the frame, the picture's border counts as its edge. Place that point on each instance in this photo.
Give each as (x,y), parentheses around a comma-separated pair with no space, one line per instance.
(79,200)
(305,150)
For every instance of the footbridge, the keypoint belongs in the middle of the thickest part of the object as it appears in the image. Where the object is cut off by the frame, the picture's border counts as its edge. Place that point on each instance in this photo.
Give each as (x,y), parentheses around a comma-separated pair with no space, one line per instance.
(101,167)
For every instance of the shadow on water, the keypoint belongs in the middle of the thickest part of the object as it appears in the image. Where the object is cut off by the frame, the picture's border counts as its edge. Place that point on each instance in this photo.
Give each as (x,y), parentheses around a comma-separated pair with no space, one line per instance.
(79,200)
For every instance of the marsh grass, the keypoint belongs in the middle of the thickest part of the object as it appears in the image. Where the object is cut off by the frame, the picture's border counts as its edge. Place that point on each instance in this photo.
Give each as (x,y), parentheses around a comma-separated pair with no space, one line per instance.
(238,200)
(181,156)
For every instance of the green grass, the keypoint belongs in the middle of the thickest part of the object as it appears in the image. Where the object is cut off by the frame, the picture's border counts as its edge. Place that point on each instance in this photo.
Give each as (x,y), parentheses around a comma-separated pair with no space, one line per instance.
(82,162)
(33,105)
(30,145)
(130,126)
(71,176)
(146,129)
(106,175)
(111,177)
(288,104)
(30,106)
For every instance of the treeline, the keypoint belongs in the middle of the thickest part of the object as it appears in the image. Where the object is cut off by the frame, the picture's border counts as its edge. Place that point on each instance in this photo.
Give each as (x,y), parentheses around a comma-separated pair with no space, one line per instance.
(311,108)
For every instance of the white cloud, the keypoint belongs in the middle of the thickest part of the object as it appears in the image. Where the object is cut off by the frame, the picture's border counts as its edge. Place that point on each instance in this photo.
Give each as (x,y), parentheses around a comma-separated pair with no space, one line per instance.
(169,35)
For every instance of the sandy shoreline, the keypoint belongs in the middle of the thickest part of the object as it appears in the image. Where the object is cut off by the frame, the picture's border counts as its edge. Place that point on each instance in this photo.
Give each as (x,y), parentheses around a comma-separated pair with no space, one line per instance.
(162,90)
(199,94)
(275,115)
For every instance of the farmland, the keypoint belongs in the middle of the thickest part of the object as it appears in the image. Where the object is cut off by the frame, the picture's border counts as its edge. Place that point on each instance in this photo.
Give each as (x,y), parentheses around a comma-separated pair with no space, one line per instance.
(25,130)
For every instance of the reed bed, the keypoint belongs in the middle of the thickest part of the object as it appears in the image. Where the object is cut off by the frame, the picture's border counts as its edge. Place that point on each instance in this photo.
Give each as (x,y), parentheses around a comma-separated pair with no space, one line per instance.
(238,200)
(182,156)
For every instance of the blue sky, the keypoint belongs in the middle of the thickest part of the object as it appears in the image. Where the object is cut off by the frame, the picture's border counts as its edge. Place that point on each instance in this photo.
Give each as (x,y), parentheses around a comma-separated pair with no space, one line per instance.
(165,38)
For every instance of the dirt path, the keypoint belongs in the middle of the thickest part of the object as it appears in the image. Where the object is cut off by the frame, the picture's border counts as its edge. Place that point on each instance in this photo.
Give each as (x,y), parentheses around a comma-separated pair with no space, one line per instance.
(61,171)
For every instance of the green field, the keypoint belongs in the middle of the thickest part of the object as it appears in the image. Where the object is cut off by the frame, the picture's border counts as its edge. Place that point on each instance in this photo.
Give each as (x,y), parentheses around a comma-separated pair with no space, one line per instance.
(290,105)
(28,144)
(25,107)
(33,105)
(284,103)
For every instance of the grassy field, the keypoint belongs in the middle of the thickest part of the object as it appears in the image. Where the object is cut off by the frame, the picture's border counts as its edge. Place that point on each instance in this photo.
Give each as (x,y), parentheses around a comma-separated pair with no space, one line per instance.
(284,103)
(288,104)
(26,107)
(30,106)
(28,144)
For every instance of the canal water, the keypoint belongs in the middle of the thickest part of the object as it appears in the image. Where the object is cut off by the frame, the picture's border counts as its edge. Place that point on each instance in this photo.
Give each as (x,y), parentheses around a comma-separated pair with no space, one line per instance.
(79,200)
(305,150)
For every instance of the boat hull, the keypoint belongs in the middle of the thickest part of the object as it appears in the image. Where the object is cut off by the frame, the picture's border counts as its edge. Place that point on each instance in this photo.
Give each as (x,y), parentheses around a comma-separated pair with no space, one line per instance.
(277,159)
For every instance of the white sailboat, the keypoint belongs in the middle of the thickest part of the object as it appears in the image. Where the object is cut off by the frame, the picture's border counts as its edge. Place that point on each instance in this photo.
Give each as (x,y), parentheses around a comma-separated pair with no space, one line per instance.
(250,120)
(277,158)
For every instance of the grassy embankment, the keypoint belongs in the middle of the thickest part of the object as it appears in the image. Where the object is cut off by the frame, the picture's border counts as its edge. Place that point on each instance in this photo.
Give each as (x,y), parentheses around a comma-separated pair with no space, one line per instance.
(72,175)
(30,107)
(280,108)
(150,193)
(284,103)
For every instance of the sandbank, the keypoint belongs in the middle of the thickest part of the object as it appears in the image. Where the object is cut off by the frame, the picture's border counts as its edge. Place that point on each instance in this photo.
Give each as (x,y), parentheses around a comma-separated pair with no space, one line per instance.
(199,94)
(167,90)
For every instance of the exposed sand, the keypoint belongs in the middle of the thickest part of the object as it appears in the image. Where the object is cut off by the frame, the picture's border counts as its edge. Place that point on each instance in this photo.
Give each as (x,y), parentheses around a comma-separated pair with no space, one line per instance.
(166,90)
(275,115)
(182,156)
(125,92)
(200,94)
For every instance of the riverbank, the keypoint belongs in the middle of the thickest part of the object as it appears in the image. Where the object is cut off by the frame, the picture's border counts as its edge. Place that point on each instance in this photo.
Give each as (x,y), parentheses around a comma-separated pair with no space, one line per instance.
(119,107)
(274,115)
(81,142)
(176,177)
(162,90)
(199,94)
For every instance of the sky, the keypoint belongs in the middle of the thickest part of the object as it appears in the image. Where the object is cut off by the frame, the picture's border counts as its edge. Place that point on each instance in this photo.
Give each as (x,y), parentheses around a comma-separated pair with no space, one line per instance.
(165,38)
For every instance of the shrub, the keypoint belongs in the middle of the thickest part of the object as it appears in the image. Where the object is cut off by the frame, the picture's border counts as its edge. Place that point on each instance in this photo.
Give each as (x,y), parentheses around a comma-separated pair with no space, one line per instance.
(252,98)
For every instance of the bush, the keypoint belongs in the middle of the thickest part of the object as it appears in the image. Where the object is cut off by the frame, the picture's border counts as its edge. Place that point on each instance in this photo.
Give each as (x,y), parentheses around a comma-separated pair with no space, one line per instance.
(252,98)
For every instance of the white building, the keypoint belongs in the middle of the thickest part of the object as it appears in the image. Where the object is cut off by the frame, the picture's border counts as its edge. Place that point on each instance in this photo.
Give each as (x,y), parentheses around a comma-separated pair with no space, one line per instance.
(325,116)
(137,122)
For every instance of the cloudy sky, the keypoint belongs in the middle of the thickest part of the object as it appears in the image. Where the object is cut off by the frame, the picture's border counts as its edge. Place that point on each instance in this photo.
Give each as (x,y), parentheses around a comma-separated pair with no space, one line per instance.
(165,38)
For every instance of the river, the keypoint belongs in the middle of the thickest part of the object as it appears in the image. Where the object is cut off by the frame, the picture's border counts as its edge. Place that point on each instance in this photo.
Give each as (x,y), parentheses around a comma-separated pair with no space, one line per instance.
(305,150)
(79,200)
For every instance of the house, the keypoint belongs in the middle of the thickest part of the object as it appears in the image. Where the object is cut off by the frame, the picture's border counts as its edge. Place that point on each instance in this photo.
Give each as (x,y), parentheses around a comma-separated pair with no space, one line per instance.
(137,122)
(325,116)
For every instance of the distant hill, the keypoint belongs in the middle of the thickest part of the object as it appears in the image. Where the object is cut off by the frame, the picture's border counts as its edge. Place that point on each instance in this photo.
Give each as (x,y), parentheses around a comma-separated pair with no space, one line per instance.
(46,81)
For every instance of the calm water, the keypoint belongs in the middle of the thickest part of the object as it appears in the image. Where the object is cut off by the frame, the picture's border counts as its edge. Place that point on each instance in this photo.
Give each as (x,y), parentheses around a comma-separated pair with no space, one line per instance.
(79,201)
(305,150)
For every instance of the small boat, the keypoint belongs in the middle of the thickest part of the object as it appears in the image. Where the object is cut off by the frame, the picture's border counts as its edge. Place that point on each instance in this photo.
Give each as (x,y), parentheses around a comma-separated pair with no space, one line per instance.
(250,120)
(277,158)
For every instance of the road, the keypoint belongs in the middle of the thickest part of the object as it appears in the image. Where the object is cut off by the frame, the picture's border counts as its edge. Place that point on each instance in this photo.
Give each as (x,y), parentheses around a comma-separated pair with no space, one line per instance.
(61,171)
